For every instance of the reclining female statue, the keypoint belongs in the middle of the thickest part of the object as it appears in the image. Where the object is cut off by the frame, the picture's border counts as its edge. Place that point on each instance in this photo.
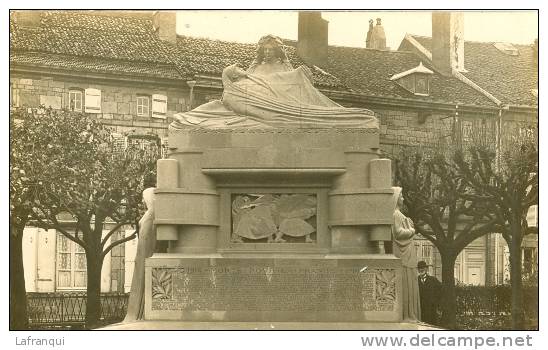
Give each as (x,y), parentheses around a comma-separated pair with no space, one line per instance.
(272,94)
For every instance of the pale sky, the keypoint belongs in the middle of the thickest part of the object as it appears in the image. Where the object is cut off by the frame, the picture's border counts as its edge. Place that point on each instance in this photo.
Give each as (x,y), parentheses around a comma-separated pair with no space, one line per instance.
(349,28)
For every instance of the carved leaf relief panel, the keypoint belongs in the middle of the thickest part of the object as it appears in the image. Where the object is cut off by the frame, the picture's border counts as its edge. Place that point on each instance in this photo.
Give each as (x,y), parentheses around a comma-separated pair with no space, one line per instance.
(274,218)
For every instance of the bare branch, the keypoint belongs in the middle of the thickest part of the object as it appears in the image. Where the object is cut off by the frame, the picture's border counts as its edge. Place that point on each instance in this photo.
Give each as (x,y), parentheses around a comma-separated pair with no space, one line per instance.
(463,240)
(118,242)
(111,232)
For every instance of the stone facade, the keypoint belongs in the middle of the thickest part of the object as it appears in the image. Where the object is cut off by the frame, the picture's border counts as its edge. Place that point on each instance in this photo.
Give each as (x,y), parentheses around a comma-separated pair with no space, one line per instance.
(118,102)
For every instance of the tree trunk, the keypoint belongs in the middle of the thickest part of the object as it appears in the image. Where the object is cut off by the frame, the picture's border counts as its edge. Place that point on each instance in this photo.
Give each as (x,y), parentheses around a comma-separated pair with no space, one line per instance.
(18,295)
(93,301)
(449,300)
(515,275)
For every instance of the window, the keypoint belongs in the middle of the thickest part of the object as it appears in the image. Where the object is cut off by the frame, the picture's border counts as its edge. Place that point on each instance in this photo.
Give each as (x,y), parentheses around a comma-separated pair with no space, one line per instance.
(467,130)
(415,80)
(529,264)
(424,250)
(119,142)
(421,84)
(117,264)
(143,106)
(165,147)
(75,100)
(14,96)
(71,264)
(147,142)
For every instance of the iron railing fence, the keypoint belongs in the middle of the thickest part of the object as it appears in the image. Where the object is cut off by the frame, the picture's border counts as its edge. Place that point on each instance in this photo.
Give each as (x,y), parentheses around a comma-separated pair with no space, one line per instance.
(67,310)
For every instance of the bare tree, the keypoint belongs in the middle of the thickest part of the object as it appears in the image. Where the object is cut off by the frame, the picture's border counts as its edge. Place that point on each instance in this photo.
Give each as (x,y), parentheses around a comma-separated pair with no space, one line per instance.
(436,199)
(507,179)
(91,181)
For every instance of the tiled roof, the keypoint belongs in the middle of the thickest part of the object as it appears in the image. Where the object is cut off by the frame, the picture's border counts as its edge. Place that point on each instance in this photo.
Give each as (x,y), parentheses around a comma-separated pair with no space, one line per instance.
(94,42)
(369,71)
(89,36)
(93,64)
(81,34)
(508,78)
(206,56)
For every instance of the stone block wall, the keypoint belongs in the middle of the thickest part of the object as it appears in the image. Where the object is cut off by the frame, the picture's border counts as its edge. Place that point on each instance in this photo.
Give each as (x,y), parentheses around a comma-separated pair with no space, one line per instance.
(118,102)
(401,128)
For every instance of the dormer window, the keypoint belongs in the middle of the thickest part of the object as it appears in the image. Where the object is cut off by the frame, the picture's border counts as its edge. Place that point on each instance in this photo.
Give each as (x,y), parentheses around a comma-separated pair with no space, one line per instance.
(415,80)
(507,49)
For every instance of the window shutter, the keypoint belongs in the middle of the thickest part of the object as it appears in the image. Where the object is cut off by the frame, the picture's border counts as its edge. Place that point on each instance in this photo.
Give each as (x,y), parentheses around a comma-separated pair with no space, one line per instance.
(93,101)
(159,106)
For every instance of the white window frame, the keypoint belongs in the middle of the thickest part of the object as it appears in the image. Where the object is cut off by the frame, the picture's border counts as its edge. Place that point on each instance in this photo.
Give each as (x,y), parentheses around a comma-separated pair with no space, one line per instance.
(142,110)
(74,92)
(73,250)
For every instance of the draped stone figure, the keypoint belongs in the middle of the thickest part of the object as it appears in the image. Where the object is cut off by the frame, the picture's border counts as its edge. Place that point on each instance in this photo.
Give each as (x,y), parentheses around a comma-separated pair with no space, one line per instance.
(145,249)
(272,94)
(403,232)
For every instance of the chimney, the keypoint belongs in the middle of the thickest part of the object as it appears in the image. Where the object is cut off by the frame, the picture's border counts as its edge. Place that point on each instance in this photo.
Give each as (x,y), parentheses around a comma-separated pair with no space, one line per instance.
(28,18)
(165,25)
(448,42)
(535,51)
(376,36)
(368,38)
(312,38)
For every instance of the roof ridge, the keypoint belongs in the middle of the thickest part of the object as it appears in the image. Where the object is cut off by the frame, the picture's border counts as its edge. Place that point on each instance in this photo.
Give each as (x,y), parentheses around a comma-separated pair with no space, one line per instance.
(292,40)
(472,41)
(97,13)
(214,40)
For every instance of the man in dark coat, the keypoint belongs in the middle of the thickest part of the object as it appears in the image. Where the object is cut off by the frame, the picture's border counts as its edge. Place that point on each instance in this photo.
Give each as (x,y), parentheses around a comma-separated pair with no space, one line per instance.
(430,293)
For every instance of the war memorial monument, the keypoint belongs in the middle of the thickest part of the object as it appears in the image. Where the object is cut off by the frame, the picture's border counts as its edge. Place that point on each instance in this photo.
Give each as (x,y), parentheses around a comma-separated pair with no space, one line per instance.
(276,207)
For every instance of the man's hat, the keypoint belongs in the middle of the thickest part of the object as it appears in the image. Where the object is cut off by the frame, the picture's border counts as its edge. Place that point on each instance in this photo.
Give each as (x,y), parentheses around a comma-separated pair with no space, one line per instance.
(421,265)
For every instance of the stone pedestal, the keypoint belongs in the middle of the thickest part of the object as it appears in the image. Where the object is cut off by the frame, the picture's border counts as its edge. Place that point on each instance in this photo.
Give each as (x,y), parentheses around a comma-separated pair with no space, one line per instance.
(329,183)
(273,288)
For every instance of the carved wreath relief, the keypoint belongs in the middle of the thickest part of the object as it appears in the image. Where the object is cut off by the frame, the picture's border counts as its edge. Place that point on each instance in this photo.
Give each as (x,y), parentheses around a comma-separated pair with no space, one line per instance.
(274,218)
(385,281)
(162,283)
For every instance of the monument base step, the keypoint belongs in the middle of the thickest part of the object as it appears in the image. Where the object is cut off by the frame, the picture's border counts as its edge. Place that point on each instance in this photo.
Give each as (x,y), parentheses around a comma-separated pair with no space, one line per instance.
(303,326)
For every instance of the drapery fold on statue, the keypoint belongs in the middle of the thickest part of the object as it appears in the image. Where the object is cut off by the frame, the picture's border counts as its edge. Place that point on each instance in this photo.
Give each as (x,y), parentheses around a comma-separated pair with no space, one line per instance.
(285,99)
